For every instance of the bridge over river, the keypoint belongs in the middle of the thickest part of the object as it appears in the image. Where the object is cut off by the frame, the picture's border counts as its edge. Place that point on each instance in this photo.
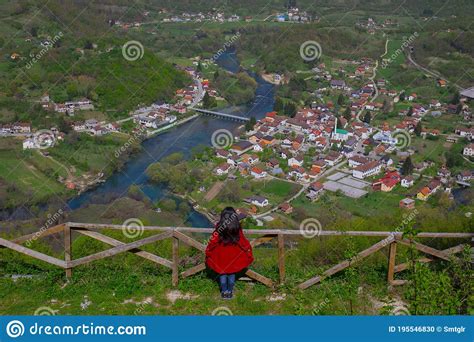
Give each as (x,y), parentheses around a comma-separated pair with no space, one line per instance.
(222,115)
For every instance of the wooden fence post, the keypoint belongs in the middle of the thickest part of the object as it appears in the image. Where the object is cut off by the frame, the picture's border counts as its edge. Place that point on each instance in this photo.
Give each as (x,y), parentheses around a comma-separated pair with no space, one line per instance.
(281,257)
(175,274)
(391,262)
(67,249)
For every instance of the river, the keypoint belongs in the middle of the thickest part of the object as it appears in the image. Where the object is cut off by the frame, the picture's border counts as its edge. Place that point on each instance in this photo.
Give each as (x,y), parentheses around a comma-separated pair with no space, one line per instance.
(180,139)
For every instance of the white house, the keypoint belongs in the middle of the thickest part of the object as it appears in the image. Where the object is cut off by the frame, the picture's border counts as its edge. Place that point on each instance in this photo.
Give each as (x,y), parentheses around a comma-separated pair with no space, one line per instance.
(366,170)
(223,169)
(407,182)
(468,150)
(295,161)
(258,201)
(357,160)
(258,173)
(29,144)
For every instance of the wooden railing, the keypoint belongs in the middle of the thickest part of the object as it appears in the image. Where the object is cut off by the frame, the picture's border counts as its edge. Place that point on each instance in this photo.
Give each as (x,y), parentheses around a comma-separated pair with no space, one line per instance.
(177,234)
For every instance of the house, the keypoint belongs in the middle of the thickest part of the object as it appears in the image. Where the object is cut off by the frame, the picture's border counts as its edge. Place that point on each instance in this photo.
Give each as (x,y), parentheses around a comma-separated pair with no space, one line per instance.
(433,186)
(366,170)
(407,182)
(465,176)
(257,172)
(79,126)
(241,146)
(273,163)
(407,203)
(286,208)
(387,182)
(29,144)
(221,153)
(468,150)
(222,169)
(423,194)
(22,127)
(333,158)
(257,200)
(357,160)
(314,190)
(295,161)
(338,84)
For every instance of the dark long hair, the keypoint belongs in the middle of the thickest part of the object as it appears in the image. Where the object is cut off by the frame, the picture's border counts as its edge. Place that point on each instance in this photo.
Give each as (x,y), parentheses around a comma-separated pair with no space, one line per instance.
(228,227)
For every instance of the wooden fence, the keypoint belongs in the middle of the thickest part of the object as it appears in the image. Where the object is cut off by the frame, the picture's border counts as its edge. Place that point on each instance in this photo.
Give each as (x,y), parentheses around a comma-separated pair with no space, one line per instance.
(177,234)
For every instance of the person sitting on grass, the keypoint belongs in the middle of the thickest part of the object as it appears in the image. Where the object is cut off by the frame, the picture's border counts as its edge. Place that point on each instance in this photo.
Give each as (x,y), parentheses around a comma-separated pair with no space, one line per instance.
(228,253)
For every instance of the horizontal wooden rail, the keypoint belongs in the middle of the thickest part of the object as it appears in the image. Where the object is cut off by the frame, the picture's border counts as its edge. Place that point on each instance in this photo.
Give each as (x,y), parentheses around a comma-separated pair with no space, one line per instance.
(178,236)
(275,232)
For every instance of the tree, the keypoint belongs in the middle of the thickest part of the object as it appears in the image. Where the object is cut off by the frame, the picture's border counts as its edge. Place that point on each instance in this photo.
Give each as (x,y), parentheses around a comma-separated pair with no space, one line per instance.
(208,101)
(456,98)
(216,75)
(290,109)
(250,124)
(340,100)
(199,67)
(410,111)
(367,118)
(407,167)
(279,105)
(386,107)
(347,114)
(418,129)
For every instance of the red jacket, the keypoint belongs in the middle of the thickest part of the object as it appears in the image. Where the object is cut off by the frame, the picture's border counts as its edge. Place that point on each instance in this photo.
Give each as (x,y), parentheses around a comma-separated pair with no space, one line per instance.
(227,259)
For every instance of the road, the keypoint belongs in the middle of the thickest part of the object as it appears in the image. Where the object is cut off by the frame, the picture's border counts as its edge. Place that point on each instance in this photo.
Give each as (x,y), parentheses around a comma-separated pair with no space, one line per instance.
(432,73)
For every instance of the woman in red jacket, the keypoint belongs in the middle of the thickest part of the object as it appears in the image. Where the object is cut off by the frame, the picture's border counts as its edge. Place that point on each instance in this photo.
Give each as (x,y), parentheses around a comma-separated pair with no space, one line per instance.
(228,251)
